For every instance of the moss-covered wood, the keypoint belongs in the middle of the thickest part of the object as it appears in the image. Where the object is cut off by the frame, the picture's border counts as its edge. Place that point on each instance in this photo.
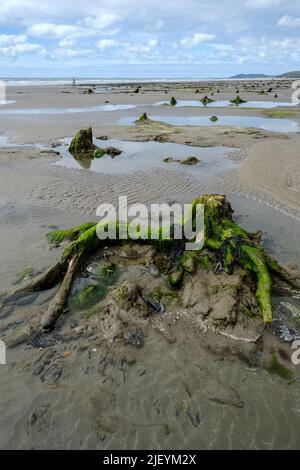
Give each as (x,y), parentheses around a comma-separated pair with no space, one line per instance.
(142,118)
(238,100)
(82,144)
(206,100)
(226,246)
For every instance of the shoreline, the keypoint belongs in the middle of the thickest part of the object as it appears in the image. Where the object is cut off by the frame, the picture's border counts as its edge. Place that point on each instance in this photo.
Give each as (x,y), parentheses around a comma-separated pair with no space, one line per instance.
(138,80)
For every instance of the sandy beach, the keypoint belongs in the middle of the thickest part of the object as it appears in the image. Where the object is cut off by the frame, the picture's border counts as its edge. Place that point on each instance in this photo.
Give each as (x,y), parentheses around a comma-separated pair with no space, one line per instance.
(187,388)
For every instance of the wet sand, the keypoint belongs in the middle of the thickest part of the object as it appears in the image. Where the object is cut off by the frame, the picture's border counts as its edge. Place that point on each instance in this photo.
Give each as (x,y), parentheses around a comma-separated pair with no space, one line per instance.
(200,395)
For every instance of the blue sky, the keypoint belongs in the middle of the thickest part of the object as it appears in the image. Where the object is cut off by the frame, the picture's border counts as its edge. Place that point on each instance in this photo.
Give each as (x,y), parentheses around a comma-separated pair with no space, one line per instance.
(148,38)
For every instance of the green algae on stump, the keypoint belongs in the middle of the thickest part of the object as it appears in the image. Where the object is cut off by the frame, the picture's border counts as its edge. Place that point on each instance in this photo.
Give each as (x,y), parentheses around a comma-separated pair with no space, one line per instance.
(99,153)
(82,144)
(214,119)
(228,248)
(175,278)
(190,161)
(205,262)
(237,100)
(142,118)
(228,242)
(58,236)
(206,100)
(188,262)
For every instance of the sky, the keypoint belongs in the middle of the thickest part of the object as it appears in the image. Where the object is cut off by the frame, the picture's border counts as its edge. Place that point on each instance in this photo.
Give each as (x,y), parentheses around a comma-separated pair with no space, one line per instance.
(148,38)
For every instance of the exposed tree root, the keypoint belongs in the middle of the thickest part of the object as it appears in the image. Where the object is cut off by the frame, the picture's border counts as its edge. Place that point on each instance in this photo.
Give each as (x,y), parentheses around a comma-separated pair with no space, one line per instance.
(290,277)
(57,305)
(43,281)
(228,246)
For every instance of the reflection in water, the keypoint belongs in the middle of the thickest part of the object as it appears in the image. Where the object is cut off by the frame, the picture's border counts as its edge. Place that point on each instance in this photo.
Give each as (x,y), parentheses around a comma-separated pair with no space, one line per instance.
(85,163)
(268,124)
(144,156)
(5,102)
(83,109)
(225,104)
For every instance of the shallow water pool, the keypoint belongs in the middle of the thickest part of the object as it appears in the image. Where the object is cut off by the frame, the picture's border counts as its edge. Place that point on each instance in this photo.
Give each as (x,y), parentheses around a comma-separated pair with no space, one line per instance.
(83,109)
(143,156)
(226,103)
(268,124)
(5,102)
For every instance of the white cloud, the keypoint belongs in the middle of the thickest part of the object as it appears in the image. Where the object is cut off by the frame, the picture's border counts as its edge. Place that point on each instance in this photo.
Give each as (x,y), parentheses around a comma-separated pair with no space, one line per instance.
(54,31)
(260,4)
(14,51)
(14,45)
(289,22)
(66,43)
(151,31)
(68,53)
(24,48)
(10,39)
(196,39)
(153,43)
(264,50)
(100,22)
(107,44)
(88,27)
(223,47)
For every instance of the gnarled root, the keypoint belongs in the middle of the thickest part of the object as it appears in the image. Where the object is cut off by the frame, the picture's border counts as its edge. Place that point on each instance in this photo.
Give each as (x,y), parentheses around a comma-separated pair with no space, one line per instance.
(227,244)
(57,305)
(289,276)
(43,281)
(235,246)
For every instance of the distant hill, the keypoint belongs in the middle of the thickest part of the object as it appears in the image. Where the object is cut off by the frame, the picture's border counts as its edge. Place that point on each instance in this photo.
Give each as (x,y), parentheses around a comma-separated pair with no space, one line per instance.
(253,76)
(250,75)
(295,74)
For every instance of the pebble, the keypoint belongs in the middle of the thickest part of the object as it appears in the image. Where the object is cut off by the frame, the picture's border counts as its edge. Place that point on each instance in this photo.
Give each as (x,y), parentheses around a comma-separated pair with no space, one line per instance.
(156,306)
(136,339)
(292,309)
(153,270)
(284,333)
